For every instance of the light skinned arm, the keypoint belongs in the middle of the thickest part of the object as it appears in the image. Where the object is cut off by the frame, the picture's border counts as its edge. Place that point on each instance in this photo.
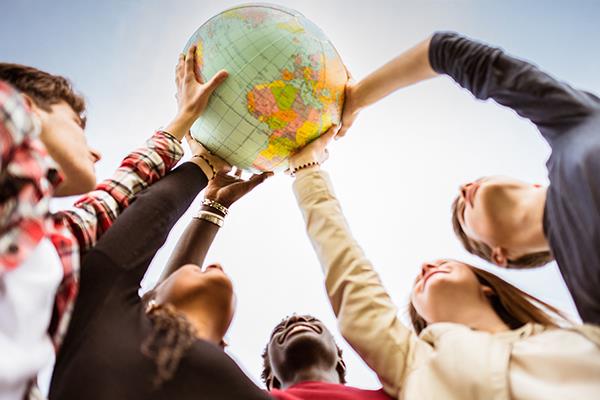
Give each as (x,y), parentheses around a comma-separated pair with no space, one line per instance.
(408,68)
(367,317)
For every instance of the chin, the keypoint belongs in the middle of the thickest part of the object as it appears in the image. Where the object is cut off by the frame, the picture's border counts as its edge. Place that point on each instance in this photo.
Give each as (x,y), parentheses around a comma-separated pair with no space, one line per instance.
(307,349)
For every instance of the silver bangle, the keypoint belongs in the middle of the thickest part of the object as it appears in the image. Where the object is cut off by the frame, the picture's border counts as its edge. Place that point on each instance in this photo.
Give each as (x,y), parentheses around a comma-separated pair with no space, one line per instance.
(217,206)
(211,217)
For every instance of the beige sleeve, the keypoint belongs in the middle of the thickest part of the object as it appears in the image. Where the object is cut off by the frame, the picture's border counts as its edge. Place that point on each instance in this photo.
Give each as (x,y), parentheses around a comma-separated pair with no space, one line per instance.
(366,315)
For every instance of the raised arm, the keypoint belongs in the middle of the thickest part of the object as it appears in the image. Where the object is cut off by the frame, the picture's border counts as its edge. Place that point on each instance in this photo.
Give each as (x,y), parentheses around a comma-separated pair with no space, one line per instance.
(485,71)
(196,240)
(367,317)
(95,212)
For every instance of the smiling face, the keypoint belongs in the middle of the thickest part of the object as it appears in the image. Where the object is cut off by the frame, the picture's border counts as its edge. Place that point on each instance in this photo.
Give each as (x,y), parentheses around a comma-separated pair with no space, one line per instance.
(444,289)
(207,295)
(298,344)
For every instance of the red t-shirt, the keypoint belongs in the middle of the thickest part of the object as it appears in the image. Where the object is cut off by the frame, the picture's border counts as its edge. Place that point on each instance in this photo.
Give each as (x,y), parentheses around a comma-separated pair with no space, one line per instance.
(327,391)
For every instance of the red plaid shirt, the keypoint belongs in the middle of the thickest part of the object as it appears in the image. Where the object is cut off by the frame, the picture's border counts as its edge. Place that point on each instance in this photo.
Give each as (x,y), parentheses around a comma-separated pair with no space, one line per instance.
(27,182)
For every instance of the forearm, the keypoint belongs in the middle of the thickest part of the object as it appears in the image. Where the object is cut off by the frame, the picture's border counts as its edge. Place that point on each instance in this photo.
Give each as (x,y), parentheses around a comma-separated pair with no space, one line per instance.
(193,245)
(366,314)
(407,69)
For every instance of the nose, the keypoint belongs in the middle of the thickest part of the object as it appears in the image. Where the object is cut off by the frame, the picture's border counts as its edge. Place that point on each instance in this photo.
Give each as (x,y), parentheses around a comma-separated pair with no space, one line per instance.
(217,266)
(463,189)
(296,318)
(426,267)
(95,155)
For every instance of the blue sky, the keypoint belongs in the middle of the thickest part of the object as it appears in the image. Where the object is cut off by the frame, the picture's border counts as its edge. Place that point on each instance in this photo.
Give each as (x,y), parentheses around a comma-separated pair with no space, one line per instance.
(409,152)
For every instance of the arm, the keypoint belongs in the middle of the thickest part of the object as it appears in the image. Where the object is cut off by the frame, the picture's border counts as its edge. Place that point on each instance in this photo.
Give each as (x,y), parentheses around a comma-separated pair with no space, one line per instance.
(199,235)
(95,212)
(485,71)
(367,317)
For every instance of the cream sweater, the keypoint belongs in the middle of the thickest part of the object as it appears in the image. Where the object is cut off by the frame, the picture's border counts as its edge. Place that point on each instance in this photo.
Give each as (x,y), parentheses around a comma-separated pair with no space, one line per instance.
(447,360)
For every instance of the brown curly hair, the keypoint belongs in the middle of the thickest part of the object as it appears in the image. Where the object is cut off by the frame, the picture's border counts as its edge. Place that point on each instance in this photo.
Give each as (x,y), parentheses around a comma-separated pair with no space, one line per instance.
(172,334)
(43,88)
(514,307)
(484,251)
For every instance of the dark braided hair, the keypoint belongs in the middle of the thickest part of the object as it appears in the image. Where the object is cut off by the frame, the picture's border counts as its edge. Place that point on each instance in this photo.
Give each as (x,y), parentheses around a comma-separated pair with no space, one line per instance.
(172,334)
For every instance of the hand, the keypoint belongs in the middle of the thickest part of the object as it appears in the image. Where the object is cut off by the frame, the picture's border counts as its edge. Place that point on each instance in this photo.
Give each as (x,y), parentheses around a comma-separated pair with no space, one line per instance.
(227,189)
(351,107)
(315,151)
(197,148)
(192,92)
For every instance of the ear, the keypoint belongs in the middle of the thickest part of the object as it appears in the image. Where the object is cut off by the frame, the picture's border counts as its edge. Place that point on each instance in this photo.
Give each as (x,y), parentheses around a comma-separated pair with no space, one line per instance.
(341,365)
(272,382)
(487,291)
(500,257)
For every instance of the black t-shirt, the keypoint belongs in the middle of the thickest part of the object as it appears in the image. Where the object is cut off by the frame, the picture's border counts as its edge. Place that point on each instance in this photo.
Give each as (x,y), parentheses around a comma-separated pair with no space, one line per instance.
(569,120)
(101,355)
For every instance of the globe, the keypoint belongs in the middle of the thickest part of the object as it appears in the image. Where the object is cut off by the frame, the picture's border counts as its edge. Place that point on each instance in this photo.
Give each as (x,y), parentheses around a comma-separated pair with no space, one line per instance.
(285,86)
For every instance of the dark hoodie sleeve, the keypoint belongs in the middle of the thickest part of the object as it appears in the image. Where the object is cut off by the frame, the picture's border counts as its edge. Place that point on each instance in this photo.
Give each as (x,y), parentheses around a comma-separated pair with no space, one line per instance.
(488,72)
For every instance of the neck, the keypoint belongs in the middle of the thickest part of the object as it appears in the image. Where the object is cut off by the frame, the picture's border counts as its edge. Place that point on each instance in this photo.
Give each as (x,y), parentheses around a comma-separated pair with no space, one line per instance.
(312,375)
(531,237)
(203,327)
(480,318)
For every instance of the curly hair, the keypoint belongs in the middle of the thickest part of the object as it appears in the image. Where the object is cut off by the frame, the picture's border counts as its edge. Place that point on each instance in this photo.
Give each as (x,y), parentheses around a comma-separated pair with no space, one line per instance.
(43,88)
(514,307)
(275,384)
(172,334)
(484,251)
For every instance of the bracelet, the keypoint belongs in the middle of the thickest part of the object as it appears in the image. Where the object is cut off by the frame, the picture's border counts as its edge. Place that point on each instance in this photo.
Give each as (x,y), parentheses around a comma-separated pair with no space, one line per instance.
(304,166)
(169,134)
(217,206)
(211,217)
(207,161)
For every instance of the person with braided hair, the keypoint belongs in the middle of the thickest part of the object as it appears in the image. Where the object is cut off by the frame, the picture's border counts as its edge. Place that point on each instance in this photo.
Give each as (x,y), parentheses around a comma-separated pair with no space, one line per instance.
(167,344)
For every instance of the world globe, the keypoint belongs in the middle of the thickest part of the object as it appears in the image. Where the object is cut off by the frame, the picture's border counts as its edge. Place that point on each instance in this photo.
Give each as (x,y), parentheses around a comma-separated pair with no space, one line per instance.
(285,86)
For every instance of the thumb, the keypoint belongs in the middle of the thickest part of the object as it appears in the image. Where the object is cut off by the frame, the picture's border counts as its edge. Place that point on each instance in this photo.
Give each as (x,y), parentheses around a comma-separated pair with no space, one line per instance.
(327,136)
(216,80)
(256,180)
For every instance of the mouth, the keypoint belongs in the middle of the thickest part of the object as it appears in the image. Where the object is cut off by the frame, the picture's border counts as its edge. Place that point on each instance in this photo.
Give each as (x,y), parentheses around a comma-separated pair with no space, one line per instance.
(299,327)
(429,274)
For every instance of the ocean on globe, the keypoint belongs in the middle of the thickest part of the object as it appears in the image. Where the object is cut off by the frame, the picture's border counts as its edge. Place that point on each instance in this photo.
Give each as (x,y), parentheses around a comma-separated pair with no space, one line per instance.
(285,86)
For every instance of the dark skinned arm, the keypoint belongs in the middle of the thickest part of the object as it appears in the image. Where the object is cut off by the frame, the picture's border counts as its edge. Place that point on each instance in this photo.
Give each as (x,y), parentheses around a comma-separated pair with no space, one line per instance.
(197,238)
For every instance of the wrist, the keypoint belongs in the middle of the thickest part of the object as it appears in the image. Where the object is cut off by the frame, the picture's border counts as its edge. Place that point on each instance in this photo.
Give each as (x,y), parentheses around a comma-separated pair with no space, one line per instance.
(212,209)
(205,165)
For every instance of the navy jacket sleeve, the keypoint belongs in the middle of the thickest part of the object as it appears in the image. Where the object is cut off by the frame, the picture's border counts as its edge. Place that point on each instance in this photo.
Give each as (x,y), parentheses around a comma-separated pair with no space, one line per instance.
(488,72)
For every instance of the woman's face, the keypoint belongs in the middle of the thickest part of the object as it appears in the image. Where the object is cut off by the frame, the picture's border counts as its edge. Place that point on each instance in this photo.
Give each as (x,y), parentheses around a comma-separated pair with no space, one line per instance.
(446,288)
(207,294)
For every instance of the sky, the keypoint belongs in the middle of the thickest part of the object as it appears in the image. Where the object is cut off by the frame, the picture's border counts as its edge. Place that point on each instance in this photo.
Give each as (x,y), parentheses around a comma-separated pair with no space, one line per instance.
(395,173)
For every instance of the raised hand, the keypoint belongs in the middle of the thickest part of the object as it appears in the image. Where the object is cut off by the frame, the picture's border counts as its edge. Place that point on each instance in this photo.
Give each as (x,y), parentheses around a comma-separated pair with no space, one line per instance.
(227,189)
(351,107)
(192,92)
(314,152)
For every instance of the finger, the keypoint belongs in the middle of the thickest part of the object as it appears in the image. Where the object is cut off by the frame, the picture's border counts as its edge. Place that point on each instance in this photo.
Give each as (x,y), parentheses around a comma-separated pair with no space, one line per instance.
(238,172)
(190,62)
(189,138)
(216,80)
(327,136)
(256,180)
(342,132)
(179,68)
(348,73)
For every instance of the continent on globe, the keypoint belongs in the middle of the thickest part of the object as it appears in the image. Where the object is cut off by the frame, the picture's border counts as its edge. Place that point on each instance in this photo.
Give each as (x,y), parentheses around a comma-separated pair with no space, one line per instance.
(285,87)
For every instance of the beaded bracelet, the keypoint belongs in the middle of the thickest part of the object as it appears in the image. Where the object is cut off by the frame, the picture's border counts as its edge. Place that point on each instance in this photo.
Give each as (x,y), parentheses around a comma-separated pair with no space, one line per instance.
(217,206)
(207,161)
(304,166)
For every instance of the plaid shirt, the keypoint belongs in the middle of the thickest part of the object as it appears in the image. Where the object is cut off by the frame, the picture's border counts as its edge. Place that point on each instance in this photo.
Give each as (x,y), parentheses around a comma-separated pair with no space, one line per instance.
(27,182)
